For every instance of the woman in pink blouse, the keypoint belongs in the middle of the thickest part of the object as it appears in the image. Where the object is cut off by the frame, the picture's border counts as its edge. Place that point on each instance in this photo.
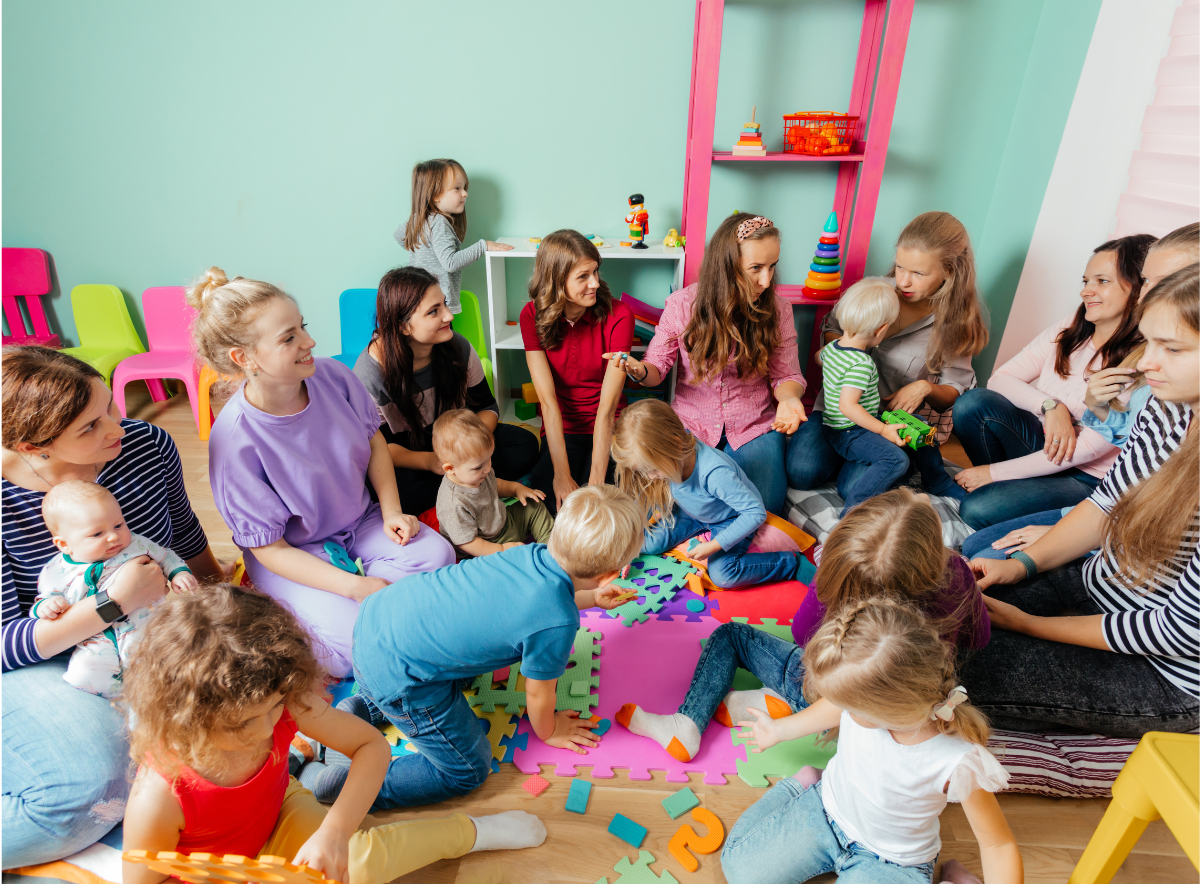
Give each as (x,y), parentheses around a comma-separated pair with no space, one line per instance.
(739,384)
(1023,432)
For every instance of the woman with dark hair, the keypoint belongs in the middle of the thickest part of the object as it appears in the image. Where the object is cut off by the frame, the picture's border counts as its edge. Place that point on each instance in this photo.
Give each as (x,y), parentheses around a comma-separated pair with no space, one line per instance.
(416,367)
(1022,432)
(66,751)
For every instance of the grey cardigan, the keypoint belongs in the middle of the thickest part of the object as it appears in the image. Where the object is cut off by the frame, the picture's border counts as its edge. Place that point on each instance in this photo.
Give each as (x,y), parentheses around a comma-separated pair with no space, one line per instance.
(440,254)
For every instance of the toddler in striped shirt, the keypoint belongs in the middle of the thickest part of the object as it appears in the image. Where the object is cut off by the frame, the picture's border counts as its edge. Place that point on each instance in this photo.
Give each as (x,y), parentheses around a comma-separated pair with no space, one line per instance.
(851,390)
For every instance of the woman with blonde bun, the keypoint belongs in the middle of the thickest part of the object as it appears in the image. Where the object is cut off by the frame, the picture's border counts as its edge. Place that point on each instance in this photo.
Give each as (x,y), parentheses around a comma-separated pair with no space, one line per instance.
(289,461)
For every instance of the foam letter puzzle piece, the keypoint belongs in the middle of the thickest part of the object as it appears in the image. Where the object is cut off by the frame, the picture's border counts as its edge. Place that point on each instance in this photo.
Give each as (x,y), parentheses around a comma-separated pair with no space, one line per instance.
(627,830)
(680,803)
(204,868)
(577,798)
(575,685)
(639,872)
(781,760)
(535,785)
(686,837)
(508,697)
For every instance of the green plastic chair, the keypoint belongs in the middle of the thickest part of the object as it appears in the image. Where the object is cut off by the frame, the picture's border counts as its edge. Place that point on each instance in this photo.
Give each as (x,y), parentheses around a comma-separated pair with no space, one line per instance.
(469,324)
(106,332)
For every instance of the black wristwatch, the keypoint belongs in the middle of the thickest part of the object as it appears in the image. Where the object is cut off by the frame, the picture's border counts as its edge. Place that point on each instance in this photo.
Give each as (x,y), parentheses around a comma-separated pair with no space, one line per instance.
(107,608)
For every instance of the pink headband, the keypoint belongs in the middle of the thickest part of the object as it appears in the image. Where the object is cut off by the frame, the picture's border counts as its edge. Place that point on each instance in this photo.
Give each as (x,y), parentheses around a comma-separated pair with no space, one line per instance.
(750,225)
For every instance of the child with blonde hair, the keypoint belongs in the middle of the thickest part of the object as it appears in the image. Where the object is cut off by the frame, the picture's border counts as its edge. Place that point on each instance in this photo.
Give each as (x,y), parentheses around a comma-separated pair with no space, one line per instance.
(851,391)
(909,742)
(687,488)
(94,541)
(890,545)
(470,513)
(436,226)
(215,693)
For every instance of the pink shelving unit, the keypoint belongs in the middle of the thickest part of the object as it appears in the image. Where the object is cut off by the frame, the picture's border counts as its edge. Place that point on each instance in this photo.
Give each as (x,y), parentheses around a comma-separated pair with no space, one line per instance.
(872,98)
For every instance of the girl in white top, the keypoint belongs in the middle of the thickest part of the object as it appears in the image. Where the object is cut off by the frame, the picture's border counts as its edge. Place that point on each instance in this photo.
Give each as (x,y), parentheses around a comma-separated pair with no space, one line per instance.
(908,743)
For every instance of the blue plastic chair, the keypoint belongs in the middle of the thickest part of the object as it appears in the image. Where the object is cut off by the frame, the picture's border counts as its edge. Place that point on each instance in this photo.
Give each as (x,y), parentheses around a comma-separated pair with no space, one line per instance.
(356,310)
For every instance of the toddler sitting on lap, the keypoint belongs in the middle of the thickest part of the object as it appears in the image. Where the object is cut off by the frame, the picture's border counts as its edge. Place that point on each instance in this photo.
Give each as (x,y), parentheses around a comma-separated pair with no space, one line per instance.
(94,542)
(470,512)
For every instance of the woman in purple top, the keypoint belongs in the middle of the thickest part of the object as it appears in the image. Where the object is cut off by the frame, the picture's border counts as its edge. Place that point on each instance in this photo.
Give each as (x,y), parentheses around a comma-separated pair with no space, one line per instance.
(888,545)
(289,460)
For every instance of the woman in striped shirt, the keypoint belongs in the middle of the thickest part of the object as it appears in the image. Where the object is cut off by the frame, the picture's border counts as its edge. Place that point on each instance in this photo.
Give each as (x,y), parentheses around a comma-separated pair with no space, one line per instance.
(65,751)
(1109,645)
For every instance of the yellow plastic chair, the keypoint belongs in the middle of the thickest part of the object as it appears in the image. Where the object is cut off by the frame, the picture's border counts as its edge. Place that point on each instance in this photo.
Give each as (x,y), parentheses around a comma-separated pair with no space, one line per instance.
(106,332)
(204,419)
(1161,780)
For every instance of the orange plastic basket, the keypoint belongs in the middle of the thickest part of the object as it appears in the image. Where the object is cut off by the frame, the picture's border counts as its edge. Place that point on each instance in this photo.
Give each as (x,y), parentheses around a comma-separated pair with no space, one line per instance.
(819,134)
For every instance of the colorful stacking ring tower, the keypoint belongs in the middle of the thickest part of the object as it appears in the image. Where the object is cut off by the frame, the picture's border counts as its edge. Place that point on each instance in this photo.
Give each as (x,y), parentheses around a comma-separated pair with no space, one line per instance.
(824,280)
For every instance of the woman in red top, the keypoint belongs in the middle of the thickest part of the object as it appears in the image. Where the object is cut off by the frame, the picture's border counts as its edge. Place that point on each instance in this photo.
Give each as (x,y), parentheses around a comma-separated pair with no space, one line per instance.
(217,689)
(570,322)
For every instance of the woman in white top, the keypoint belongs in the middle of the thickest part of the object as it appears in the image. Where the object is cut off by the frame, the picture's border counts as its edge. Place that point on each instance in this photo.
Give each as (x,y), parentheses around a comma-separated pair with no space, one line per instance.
(908,743)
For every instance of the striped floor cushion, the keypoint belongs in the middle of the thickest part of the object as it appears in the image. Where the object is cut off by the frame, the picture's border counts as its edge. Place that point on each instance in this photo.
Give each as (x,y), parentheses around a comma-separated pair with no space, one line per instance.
(1061,765)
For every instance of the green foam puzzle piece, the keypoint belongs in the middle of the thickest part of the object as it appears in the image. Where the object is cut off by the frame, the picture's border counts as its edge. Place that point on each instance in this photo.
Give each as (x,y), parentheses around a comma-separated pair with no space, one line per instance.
(782,759)
(639,872)
(508,697)
(744,680)
(575,684)
(656,592)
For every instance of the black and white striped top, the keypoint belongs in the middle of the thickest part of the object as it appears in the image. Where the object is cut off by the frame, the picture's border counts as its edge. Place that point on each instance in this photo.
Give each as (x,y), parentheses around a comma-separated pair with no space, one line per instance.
(1161,621)
(147,480)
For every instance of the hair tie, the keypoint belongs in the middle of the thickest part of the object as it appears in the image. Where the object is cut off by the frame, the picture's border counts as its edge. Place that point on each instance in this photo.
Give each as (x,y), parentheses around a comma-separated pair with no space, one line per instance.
(750,225)
(945,711)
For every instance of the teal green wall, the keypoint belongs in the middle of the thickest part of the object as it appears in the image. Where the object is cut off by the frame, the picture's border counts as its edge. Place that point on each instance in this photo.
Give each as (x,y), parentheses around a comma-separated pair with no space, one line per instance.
(143,141)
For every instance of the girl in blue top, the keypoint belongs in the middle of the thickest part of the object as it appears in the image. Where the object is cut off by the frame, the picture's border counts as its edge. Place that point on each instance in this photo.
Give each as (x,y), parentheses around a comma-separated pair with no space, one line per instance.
(688,488)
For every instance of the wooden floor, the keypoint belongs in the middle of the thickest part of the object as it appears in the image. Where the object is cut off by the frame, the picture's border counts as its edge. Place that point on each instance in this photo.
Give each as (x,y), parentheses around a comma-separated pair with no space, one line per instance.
(1051,832)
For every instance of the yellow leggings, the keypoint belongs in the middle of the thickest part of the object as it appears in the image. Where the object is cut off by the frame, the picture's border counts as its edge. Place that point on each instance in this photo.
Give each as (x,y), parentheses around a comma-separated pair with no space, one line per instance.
(377,855)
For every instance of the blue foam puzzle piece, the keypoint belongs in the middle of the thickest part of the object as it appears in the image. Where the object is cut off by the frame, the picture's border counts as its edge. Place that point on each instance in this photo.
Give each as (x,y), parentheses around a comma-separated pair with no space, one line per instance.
(680,803)
(342,689)
(601,729)
(577,798)
(695,605)
(627,830)
(512,744)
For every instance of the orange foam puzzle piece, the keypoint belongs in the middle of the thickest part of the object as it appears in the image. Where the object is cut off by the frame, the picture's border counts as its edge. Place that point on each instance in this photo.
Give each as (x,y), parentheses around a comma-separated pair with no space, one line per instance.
(206,868)
(686,837)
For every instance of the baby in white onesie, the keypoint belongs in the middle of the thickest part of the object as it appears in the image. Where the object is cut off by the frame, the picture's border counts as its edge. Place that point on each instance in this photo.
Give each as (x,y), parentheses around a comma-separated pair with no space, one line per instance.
(89,530)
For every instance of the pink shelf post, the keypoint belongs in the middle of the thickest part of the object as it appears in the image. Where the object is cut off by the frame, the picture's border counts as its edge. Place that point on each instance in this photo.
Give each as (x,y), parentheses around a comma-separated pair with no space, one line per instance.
(702,120)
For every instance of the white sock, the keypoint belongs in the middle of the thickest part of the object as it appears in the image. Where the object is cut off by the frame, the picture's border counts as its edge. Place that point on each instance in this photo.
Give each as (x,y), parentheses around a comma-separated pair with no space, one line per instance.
(510,830)
(676,733)
(736,706)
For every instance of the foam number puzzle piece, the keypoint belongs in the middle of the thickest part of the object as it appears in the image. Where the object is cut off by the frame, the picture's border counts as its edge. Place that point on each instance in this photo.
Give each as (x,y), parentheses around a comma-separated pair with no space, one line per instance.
(781,760)
(205,868)
(535,785)
(686,837)
(639,872)
(577,798)
(627,830)
(508,697)
(680,803)
(575,685)
(339,558)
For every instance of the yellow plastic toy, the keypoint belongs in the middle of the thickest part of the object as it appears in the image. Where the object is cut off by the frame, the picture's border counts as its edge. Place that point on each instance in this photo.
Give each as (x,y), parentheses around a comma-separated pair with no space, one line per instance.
(673,240)
(1161,780)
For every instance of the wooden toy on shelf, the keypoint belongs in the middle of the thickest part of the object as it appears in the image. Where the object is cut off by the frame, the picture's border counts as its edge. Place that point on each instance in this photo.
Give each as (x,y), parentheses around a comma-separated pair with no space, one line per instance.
(824,281)
(638,220)
(749,143)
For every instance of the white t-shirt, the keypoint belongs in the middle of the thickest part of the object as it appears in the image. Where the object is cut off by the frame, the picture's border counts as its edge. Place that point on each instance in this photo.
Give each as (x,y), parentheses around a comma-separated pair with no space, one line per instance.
(888,797)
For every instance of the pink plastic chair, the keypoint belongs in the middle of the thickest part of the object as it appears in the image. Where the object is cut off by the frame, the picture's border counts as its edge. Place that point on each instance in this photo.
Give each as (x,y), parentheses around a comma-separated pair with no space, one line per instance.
(168,318)
(27,275)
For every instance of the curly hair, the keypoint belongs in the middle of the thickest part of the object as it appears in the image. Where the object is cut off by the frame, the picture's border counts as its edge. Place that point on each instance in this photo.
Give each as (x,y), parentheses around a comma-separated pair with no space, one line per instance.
(207,657)
(556,258)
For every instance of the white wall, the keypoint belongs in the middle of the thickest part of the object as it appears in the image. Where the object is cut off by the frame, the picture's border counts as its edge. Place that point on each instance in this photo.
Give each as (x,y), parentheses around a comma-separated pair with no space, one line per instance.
(1091,170)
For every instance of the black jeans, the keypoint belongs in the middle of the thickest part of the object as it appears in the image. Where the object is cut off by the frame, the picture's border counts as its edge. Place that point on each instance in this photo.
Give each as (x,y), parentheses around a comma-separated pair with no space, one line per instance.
(516,453)
(1030,684)
(579,456)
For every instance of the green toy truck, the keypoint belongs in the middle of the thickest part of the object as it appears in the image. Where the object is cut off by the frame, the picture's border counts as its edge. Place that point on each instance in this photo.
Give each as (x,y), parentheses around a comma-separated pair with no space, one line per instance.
(915,433)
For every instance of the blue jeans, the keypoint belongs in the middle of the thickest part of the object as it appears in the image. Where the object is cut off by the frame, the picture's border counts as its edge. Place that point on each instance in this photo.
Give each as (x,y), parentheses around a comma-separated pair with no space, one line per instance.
(762,460)
(992,429)
(778,664)
(885,465)
(728,568)
(786,837)
(66,765)
(979,544)
(811,460)
(455,756)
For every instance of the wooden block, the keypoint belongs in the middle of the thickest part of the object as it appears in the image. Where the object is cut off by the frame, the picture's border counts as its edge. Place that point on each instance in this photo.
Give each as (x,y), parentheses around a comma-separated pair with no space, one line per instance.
(529,394)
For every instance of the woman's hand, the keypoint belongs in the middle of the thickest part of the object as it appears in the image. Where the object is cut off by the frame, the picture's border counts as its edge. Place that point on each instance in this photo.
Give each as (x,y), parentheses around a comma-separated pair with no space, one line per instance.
(525,494)
(400,528)
(138,583)
(788,416)
(328,852)
(910,397)
(974,477)
(1020,538)
(365,586)
(1006,616)
(564,484)
(1105,386)
(997,572)
(434,464)
(498,246)
(572,733)
(764,732)
(626,363)
(1060,434)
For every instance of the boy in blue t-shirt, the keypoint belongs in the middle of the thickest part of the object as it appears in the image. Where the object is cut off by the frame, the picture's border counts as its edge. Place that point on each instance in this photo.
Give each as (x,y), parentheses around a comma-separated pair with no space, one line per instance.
(419,642)
(851,389)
